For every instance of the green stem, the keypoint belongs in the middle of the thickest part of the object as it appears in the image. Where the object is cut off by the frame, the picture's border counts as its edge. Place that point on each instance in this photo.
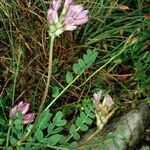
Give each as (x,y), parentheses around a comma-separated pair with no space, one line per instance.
(49,76)
(76,79)
(122,50)
(112,58)
(16,75)
(44,146)
(8,133)
(46,87)
(62,92)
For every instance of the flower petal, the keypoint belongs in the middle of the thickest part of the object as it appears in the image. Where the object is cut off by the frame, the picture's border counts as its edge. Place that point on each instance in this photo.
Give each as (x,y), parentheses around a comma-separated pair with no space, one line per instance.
(13,111)
(73,10)
(20,104)
(67,3)
(25,108)
(70,27)
(76,15)
(97,96)
(80,21)
(28,118)
(52,16)
(107,101)
(56,4)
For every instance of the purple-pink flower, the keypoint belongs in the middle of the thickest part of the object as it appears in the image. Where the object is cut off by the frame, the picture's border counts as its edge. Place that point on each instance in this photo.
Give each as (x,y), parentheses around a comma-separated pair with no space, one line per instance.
(72,15)
(97,96)
(76,15)
(106,103)
(23,108)
(52,14)
(67,3)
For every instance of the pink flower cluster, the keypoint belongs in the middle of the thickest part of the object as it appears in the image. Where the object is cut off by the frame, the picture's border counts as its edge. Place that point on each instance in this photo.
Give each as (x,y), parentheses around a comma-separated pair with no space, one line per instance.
(72,15)
(107,101)
(76,15)
(23,108)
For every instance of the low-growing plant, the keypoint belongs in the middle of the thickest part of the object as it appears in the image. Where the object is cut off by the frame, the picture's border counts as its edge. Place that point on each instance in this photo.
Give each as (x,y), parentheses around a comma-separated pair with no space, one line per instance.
(47,132)
(112,37)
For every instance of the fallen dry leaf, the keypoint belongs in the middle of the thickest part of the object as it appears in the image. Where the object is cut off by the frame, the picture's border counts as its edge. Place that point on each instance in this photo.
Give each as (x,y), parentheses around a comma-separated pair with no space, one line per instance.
(123,7)
(147,16)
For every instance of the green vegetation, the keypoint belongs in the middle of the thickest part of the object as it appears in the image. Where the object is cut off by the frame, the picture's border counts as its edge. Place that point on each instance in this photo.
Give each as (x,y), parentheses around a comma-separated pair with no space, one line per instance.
(110,52)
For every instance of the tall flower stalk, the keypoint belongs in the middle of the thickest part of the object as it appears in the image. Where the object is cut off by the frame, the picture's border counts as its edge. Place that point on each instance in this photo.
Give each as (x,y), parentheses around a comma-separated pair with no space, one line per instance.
(49,75)
(71,16)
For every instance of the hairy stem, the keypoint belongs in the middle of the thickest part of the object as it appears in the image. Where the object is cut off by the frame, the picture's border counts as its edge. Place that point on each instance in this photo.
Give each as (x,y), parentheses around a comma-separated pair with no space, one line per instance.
(48,77)
(52,102)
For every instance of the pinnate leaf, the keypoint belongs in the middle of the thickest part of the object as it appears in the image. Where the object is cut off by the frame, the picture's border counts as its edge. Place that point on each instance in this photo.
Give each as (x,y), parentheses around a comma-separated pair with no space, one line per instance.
(13,140)
(73,132)
(50,128)
(55,91)
(2,122)
(73,146)
(79,121)
(57,130)
(69,77)
(88,120)
(57,117)
(61,123)
(76,69)
(81,63)
(83,127)
(86,62)
(43,120)
(58,121)
(39,135)
(54,139)
(90,112)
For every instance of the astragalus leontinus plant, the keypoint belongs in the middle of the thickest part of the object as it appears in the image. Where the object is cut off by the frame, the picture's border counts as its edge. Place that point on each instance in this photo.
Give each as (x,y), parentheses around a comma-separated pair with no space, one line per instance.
(60,19)
(18,117)
(115,29)
(72,15)
(23,108)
